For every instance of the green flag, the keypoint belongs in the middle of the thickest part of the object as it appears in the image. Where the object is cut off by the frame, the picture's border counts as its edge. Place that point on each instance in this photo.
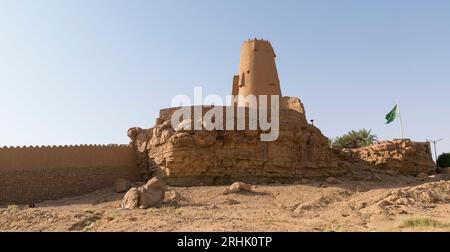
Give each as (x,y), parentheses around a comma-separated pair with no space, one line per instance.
(391,116)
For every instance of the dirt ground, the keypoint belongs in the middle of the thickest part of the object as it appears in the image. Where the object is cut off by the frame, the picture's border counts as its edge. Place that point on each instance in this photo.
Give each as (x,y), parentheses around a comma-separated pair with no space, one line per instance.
(381,203)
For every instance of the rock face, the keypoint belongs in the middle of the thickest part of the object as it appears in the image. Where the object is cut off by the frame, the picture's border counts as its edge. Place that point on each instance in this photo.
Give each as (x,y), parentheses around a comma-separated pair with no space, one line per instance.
(332,180)
(149,195)
(140,142)
(444,170)
(402,156)
(200,157)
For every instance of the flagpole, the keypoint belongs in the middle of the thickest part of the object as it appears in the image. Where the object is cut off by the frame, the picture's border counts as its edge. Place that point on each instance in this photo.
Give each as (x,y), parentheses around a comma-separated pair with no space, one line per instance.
(400,119)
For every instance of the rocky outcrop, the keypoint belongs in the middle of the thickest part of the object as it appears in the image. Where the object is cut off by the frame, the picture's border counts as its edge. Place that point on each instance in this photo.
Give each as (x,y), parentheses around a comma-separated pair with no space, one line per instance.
(402,156)
(200,157)
(424,195)
(139,139)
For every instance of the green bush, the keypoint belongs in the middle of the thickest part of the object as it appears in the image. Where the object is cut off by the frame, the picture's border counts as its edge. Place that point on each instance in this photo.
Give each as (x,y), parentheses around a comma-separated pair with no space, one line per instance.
(444,160)
(355,139)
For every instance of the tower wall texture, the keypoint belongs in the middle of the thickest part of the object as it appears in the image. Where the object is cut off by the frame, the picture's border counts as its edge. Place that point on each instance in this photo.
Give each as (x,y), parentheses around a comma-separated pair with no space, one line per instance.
(257,71)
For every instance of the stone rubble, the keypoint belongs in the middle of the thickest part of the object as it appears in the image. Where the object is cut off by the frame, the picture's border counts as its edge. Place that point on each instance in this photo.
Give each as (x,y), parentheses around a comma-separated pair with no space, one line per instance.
(397,156)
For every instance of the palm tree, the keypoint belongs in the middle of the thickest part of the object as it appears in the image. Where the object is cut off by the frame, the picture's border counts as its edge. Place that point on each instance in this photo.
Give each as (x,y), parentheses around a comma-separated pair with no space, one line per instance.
(355,139)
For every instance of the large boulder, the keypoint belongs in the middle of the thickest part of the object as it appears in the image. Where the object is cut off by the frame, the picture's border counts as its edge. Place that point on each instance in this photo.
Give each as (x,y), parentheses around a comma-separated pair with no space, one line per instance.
(155,184)
(237,188)
(131,199)
(149,195)
(152,193)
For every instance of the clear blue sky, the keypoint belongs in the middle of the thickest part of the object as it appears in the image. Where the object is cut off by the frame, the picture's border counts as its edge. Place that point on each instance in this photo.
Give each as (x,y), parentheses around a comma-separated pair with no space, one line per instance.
(84,71)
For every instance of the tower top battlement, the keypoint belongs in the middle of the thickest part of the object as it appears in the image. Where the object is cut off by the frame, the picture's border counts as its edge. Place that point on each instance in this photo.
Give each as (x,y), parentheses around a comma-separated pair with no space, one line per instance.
(258,45)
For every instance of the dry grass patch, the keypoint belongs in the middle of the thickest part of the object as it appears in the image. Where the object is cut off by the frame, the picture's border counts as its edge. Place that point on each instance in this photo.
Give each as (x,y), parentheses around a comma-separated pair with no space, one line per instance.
(423,223)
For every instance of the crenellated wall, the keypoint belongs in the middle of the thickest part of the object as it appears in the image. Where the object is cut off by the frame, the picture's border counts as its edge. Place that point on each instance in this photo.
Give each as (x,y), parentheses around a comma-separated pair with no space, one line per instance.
(33,174)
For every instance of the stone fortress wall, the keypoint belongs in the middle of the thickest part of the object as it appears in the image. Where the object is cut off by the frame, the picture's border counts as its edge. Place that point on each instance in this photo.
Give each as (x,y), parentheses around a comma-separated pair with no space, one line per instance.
(33,174)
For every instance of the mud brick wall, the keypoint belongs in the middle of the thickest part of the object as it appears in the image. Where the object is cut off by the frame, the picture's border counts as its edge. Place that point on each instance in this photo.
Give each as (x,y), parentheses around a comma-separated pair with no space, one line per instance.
(33,174)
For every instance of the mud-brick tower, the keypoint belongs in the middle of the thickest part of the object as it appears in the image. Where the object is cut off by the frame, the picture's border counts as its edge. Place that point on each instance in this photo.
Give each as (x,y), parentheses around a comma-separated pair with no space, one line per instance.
(257,71)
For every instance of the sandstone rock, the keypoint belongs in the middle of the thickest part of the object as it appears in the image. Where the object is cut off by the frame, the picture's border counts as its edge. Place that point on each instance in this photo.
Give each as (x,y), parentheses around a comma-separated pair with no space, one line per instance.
(442,176)
(205,139)
(402,156)
(377,177)
(201,157)
(131,199)
(333,180)
(171,196)
(238,187)
(422,195)
(362,175)
(422,175)
(155,184)
(188,157)
(251,133)
(181,139)
(122,185)
(232,202)
(444,170)
(292,103)
(149,195)
(152,193)
(132,133)
(392,172)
